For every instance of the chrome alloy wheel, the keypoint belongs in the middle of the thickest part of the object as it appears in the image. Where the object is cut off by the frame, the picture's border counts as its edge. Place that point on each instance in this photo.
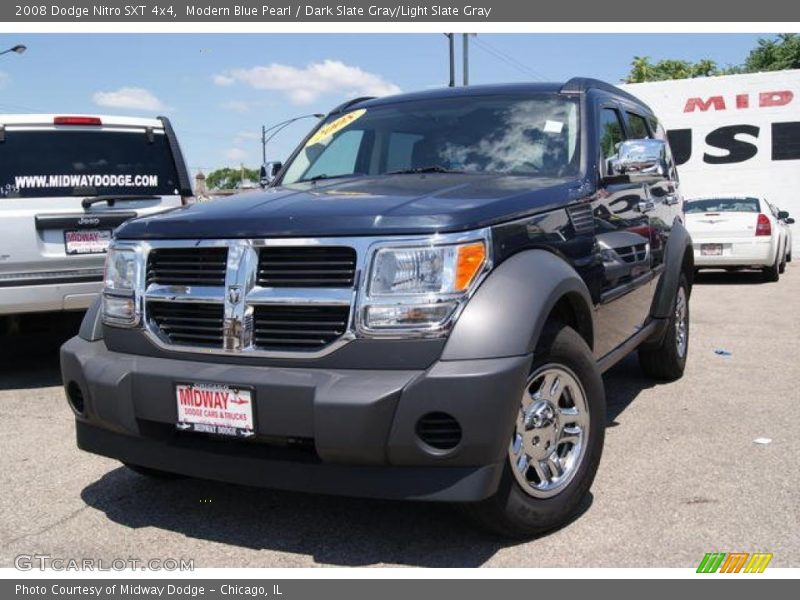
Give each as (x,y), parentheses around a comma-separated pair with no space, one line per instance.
(551,432)
(681,322)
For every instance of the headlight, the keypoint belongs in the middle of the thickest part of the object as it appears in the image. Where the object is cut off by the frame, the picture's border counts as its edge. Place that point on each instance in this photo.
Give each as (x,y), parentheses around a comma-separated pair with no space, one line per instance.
(119,287)
(419,288)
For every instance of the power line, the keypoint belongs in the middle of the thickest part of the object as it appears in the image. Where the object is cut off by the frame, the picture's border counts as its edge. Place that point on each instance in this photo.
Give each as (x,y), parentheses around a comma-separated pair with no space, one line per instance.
(508,59)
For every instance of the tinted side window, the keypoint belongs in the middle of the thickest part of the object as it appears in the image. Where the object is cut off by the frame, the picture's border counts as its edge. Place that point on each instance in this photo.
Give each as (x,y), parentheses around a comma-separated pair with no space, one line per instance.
(611,132)
(638,126)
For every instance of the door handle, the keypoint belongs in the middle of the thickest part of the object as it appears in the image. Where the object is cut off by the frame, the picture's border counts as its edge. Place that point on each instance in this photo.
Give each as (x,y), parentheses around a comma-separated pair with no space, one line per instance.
(645,206)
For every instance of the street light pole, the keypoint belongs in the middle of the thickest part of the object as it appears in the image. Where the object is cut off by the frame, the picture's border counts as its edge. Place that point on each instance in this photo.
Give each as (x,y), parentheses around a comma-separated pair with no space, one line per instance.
(18,49)
(276,129)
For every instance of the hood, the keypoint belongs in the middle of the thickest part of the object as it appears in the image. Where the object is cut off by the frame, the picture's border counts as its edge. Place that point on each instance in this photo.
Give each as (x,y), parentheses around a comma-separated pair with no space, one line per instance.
(388,204)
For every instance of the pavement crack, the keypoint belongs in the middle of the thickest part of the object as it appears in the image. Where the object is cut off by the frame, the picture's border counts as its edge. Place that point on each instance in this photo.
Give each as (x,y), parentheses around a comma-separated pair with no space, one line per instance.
(47,528)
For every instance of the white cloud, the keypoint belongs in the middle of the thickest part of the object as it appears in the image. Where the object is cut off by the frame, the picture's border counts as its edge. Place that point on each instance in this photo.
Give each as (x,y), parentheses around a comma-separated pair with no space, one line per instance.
(223,80)
(129,97)
(303,86)
(235,154)
(239,106)
(243,137)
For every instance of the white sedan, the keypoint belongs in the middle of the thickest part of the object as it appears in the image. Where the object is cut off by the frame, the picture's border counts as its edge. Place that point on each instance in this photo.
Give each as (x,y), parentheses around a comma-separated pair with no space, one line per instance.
(736,233)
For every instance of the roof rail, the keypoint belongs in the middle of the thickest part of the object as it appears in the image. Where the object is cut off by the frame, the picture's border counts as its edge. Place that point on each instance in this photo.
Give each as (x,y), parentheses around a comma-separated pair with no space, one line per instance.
(349,103)
(580,85)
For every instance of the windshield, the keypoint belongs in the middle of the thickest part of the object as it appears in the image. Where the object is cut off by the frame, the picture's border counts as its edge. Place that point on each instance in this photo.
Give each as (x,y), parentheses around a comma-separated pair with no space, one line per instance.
(713,205)
(533,135)
(36,164)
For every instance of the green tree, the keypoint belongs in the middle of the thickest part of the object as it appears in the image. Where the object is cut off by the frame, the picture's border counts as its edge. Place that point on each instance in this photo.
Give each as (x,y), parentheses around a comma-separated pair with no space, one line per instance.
(228,178)
(782,52)
(776,54)
(643,70)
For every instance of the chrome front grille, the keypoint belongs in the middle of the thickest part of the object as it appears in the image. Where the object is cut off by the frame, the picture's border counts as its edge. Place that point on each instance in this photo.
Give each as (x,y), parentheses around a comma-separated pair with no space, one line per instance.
(307,266)
(187,266)
(271,297)
(298,327)
(632,254)
(193,323)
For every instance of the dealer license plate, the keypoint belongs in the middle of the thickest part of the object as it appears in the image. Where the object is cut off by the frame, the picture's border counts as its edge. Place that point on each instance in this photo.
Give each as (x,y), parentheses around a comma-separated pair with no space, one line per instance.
(87,241)
(711,249)
(215,408)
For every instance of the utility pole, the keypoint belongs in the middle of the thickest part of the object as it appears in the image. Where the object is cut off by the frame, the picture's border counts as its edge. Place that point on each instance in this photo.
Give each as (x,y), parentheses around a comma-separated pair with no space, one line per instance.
(452,45)
(465,56)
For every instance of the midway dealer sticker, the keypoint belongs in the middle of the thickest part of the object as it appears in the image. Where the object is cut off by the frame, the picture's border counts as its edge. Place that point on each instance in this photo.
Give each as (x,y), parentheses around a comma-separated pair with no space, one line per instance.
(335,126)
(215,408)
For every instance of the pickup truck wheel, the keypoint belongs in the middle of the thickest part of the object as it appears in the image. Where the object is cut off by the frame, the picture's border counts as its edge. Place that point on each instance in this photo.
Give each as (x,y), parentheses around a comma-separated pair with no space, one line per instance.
(556,442)
(667,360)
(152,473)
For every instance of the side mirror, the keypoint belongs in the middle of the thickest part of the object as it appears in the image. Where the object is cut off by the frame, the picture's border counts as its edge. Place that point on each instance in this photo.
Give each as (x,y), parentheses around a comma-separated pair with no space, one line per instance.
(789,221)
(269,172)
(640,160)
(782,214)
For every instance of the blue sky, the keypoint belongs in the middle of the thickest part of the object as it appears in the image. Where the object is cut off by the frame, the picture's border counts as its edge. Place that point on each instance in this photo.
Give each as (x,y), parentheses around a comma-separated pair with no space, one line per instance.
(219,89)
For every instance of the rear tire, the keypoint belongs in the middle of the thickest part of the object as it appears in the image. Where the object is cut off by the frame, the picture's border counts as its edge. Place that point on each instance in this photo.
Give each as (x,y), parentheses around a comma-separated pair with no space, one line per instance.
(527,504)
(773,273)
(667,360)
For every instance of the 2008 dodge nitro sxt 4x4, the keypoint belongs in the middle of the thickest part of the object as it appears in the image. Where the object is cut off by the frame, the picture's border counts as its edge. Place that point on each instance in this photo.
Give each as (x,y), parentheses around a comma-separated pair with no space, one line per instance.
(420,305)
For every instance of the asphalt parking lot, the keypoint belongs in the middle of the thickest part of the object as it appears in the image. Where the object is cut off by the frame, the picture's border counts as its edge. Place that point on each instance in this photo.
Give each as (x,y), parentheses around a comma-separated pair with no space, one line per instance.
(681,474)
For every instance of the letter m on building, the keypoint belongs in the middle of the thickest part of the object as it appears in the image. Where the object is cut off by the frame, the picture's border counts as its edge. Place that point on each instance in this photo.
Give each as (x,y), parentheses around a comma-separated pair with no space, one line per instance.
(715,102)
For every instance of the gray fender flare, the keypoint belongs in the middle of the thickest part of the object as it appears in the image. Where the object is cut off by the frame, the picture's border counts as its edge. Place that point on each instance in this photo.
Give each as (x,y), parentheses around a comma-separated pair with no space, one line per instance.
(92,327)
(506,315)
(678,245)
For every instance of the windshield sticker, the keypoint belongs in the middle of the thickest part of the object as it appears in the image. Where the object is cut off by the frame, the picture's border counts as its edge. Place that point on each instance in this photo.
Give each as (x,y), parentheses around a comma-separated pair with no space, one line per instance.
(553,126)
(22,182)
(335,126)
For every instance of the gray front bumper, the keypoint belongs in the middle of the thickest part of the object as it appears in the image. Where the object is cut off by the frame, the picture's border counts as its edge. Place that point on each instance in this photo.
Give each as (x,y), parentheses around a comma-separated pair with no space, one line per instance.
(359,425)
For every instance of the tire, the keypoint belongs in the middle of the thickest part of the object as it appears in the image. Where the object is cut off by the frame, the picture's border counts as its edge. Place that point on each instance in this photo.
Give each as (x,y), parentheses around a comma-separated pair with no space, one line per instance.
(789,257)
(153,473)
(667,360)
(523,512)
(773,273)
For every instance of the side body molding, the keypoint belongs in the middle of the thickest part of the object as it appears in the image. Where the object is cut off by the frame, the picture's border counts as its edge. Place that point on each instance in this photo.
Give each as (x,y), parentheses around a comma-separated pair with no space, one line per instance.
(506,315)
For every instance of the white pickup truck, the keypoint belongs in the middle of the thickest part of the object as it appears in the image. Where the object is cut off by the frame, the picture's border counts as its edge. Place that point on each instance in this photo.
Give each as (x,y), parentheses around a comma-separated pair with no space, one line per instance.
(66,182)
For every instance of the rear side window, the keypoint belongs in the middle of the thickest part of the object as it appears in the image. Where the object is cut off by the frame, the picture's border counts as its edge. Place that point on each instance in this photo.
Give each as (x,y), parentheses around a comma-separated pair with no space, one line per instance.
(713,205)
(611,132)
(36,164)
(638,127)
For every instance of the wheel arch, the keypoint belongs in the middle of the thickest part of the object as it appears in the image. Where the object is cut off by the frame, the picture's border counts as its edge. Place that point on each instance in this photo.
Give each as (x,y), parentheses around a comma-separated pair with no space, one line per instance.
(507,314)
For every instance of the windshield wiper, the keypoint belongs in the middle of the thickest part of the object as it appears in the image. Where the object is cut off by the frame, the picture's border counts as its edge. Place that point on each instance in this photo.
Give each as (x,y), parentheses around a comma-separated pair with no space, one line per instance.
(111,198)
(428,169)
(323,176)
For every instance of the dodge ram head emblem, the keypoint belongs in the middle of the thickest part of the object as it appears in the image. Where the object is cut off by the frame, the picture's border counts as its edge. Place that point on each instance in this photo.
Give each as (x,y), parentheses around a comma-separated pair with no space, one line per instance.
(234,294)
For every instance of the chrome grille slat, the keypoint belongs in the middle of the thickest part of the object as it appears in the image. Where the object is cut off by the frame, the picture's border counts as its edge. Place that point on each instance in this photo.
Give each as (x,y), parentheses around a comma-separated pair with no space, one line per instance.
(307,266)
(195,323)
(287,327)
(187,266)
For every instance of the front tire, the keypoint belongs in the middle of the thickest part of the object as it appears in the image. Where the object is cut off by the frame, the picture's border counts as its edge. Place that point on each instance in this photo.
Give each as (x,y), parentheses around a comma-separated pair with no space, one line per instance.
(556,442)
(667,360)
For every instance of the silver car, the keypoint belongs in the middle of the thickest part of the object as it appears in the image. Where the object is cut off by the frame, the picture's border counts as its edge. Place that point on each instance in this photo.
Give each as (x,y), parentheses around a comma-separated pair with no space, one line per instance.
(66,182)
